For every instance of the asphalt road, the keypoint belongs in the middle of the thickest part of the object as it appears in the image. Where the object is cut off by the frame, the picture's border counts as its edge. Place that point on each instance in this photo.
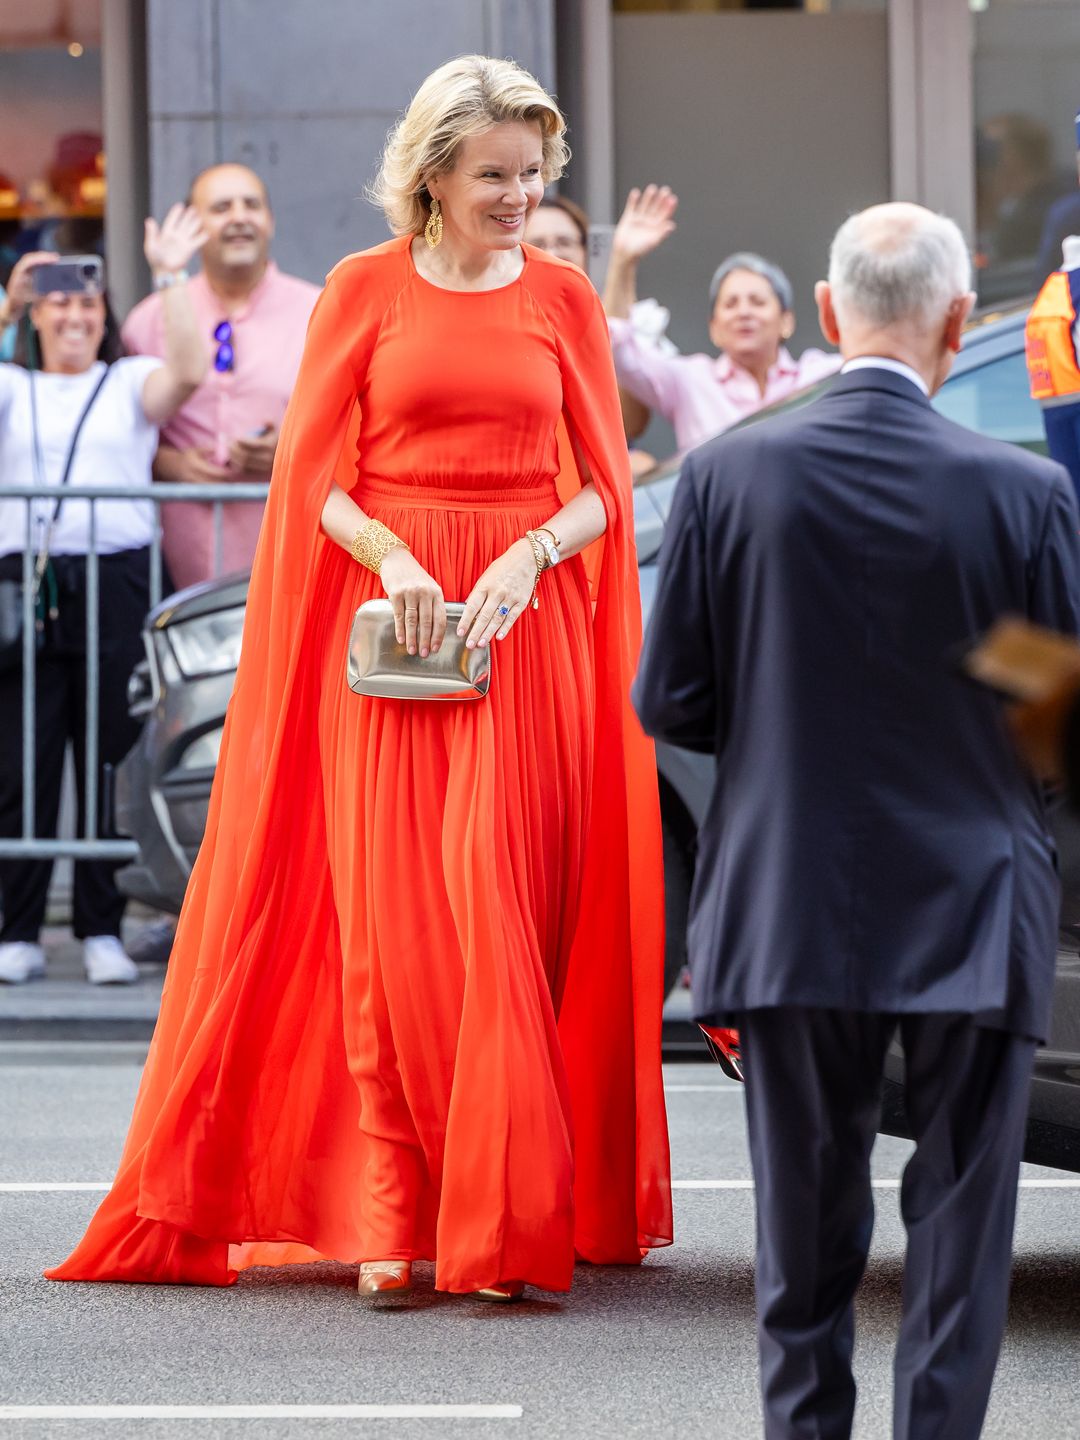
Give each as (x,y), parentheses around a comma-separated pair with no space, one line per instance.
(665,1350)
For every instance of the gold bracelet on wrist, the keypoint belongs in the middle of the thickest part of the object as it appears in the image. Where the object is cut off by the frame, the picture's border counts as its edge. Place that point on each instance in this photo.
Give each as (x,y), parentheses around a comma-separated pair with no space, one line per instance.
(372,543)
(540,560)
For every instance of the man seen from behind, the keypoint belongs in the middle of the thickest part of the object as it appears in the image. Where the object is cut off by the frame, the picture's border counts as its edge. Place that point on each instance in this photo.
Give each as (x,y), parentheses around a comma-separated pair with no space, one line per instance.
(876,859)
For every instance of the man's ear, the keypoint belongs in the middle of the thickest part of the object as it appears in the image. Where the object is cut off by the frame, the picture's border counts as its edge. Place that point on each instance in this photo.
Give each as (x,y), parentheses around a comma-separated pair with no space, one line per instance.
(826,312)
(957,318)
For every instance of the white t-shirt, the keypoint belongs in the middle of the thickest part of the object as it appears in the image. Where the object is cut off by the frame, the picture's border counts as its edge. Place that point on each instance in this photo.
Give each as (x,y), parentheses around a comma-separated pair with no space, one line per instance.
(116,447)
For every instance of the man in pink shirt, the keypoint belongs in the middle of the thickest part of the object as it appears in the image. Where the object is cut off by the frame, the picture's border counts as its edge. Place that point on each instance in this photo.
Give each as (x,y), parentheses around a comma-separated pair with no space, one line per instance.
(254,319)
(751,316)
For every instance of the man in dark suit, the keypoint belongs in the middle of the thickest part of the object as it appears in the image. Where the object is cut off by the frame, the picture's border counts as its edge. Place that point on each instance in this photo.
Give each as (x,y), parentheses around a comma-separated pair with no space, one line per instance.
(875,858)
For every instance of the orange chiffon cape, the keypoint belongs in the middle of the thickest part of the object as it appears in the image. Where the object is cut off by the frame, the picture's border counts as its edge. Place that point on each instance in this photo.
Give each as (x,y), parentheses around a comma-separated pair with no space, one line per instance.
(242,1147)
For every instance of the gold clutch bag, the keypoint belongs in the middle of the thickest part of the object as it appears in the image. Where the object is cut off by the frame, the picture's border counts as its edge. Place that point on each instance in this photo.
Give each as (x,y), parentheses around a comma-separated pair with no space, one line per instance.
(379,666)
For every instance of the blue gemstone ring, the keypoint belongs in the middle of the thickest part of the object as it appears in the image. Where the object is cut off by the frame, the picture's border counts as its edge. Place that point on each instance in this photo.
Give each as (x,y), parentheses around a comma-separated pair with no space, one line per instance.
(504,610)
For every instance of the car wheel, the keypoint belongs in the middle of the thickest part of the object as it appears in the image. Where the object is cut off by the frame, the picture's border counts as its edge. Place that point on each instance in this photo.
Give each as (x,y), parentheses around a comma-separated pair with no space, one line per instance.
(678,875)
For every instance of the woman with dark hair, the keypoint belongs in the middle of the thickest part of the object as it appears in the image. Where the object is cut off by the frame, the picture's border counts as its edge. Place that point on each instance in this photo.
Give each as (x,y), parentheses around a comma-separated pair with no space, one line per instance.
(80,412)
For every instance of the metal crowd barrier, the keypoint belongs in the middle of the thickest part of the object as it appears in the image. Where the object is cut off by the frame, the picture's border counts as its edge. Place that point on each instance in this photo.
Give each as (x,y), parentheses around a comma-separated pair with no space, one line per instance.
(91,846)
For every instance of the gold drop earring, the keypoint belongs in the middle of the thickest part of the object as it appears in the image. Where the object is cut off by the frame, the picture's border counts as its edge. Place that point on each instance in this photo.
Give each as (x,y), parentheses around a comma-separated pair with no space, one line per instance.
(433,228)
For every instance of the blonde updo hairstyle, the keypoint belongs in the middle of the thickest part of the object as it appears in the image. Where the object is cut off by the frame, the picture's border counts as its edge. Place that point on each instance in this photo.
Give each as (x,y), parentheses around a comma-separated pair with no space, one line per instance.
(464,97)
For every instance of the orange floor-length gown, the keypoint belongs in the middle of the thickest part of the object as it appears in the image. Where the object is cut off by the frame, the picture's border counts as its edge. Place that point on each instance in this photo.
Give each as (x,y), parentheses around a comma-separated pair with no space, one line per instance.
(413,1008)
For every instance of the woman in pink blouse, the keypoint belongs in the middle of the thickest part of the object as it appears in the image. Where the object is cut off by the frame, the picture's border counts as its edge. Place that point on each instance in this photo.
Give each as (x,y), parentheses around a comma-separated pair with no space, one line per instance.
(751,316)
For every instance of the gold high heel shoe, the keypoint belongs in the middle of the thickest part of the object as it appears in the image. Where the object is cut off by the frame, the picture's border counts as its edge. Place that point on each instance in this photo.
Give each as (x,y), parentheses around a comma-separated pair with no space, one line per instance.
(385,1282)
(503,1293)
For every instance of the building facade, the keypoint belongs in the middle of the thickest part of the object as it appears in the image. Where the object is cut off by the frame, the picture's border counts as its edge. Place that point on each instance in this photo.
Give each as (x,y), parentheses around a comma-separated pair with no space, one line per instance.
(772,119)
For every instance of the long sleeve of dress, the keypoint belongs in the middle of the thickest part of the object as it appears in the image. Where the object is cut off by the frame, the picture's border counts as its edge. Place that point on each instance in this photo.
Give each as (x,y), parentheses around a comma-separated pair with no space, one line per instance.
(621,917)
(228,1039)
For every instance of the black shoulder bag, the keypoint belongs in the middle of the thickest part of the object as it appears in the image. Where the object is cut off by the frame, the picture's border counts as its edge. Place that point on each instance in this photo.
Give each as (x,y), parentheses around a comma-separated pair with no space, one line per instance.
(11,591)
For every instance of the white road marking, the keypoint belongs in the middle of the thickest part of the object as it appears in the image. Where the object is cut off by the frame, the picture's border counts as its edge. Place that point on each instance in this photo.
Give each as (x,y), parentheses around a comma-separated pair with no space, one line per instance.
(44,1187)
(14,1187)
(877,1184)
(712,1184)
(703,1090)
(261,1412)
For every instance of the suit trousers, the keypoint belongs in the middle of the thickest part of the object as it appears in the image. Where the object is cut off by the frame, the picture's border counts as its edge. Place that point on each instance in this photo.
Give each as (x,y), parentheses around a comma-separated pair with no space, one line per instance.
(813,1093)
(124,593)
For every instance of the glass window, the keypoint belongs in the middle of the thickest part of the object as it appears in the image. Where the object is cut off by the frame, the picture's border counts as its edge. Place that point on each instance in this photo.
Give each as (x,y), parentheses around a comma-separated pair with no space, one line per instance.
(1027,58)
(52,169)
(995,400)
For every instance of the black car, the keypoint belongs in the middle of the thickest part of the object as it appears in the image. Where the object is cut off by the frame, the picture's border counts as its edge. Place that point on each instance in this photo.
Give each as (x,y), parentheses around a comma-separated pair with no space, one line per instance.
(193,642)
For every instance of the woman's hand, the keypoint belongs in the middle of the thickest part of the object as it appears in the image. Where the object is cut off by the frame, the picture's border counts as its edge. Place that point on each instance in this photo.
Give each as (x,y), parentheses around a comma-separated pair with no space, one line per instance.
(20,286)
(645,221)
(169,246)
(508,584)
(419,608)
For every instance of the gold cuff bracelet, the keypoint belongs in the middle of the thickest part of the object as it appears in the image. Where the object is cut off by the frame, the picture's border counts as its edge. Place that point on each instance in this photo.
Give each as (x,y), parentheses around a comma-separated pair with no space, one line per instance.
(372,543)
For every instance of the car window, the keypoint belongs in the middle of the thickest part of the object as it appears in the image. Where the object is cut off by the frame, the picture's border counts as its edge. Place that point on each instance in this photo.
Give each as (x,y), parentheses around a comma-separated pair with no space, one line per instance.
(995,400)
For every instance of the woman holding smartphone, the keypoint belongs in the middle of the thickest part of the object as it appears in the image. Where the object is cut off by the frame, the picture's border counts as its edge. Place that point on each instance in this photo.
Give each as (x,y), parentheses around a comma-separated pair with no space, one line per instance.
(77,407)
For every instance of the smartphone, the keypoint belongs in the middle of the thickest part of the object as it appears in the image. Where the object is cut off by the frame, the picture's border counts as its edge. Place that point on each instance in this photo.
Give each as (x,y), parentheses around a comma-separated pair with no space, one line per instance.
(1021,661)
(74,275)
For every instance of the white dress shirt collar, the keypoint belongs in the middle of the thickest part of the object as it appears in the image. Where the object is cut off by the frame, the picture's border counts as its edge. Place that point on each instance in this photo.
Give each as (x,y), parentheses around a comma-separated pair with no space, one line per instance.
(882,362)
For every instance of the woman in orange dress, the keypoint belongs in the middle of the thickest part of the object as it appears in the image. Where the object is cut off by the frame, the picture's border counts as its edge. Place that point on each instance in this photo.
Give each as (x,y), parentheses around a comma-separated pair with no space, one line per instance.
(413,1009)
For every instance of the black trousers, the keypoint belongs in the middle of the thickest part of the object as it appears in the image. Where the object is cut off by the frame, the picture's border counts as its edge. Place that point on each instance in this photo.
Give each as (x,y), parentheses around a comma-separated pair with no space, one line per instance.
(124,595)
(813,1094)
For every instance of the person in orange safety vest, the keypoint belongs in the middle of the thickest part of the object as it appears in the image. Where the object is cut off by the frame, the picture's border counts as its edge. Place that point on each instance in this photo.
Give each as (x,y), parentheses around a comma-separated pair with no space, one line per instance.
(1050,343)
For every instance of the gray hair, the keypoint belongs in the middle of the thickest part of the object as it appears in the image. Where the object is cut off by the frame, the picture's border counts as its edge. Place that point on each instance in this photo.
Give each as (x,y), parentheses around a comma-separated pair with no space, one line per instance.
(898,262)
(758,265)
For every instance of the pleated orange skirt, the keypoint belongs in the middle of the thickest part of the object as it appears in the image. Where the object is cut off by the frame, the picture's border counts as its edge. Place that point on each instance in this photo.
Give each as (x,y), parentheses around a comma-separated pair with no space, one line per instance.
(456,834)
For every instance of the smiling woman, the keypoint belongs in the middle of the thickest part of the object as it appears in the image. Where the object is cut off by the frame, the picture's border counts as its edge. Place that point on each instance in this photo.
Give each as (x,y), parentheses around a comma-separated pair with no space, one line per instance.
(449,110)
(750,321)
(414,999)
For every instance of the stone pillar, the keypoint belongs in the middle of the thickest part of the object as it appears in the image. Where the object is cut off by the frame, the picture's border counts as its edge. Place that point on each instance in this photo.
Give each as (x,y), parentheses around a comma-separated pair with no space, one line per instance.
(932,133)
(305,96)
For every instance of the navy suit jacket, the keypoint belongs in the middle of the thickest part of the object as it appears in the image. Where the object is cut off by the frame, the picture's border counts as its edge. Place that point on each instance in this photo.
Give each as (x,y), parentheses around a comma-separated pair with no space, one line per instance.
(873,842)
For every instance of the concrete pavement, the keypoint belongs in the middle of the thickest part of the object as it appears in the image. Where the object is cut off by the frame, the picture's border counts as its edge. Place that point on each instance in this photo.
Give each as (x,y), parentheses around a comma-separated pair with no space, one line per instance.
(62,1006)
(664,1350)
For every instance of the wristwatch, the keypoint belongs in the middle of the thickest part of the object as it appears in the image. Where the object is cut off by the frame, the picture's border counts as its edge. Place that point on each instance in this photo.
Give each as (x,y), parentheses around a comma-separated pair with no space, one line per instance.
(551,542)
(166,279)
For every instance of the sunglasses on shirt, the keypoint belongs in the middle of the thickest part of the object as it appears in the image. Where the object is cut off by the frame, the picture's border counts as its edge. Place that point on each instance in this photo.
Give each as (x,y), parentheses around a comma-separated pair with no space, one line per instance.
(225,357)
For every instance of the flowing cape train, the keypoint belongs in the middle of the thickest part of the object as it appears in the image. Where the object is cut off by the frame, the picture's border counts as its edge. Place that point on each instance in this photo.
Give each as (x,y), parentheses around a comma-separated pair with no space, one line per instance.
(243,1146)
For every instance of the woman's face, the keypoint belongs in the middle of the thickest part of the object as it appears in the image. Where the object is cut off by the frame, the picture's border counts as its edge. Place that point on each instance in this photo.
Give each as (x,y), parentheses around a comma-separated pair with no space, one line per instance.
(493,188)
(552,229)
(748,322)
(70,329)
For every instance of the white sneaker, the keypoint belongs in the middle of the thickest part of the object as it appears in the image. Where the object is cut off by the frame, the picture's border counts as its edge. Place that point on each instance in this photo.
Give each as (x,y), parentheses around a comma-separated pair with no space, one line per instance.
(20,960)
(106,961)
